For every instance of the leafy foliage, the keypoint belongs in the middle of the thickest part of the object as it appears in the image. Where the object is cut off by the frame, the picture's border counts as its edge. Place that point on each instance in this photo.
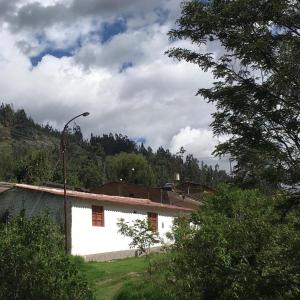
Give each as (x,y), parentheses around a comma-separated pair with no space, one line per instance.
(238,246)
(256,91)
(130,167)
(141,234)
(34,168)
(33,264)
(113,144)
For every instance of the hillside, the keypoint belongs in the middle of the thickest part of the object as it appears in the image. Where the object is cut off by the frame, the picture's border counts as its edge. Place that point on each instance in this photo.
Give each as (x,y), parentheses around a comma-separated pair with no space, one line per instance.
(30,153)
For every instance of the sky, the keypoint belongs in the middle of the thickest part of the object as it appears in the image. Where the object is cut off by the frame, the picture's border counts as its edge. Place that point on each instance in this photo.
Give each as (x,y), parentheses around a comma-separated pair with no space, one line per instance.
(60,58)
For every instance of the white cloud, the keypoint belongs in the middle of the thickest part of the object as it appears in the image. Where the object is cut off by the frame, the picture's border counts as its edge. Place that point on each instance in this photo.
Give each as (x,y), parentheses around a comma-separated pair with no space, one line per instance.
(198,141)
(154,98)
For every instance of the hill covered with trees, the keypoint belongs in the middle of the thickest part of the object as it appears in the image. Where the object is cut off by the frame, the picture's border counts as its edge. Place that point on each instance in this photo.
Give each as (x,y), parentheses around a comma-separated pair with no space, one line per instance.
(30,153)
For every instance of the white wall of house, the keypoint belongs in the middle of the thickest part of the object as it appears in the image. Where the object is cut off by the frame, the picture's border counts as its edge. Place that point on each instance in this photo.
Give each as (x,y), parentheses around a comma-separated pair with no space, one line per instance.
(88,239)
(34,203)
(84,238)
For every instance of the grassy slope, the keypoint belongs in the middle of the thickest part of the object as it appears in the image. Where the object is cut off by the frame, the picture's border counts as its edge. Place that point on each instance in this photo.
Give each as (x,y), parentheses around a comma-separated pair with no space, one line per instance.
(109,277)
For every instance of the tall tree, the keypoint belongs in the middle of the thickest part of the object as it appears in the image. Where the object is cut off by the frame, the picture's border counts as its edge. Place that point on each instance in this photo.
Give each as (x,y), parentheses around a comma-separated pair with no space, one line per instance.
(130,167)
(257,85)
(34,168)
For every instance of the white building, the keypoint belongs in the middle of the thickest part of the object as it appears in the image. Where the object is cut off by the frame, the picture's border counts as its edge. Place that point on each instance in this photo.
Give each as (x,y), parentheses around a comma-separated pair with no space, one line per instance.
(92,229)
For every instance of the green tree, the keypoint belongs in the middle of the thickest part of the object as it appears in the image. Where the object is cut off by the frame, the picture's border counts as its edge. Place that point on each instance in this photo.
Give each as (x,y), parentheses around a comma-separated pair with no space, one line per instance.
(142,237)
(191,170)
(141,234)
(7,115)
(7,164)
(90,173)
(257,80)
(130,167)
(33,264)
(34,168)
(165,165)
(238,246)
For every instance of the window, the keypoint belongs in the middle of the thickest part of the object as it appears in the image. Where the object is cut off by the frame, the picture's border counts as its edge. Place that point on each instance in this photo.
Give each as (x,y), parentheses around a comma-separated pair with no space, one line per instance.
(97,216)
(152,220)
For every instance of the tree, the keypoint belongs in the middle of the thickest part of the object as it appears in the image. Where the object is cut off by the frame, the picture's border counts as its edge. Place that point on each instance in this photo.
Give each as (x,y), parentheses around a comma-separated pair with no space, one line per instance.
(130,167)
(7,116)
(7,164)
(33,264)
(34,168)
(143,237)
(191,168)
(257,85)
(114,144)
(240,245)
(165,165)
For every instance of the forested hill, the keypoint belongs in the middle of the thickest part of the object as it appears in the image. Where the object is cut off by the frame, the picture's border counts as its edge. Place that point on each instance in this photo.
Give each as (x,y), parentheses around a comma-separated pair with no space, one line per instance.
(31,153)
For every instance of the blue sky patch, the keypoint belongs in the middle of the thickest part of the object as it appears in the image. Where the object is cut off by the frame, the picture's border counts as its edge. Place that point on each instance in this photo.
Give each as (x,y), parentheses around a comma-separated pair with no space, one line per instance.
(108,30)
(125,66)
(140,140)
(59,53)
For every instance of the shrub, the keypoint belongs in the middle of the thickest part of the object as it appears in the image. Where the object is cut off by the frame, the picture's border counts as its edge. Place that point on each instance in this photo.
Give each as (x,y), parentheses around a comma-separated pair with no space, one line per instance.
(33,264)
(239,247)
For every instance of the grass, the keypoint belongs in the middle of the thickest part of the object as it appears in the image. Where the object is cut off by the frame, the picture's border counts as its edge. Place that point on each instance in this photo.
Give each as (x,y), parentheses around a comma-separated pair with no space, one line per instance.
(108,278)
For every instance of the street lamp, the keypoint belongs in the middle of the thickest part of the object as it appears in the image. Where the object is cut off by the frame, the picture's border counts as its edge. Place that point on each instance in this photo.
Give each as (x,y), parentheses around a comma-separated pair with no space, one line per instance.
(63,151)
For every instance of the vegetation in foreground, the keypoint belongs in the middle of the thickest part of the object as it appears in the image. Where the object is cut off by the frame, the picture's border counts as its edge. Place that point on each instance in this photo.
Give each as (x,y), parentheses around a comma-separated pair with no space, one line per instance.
(33,264)
(241,244)
(108,278)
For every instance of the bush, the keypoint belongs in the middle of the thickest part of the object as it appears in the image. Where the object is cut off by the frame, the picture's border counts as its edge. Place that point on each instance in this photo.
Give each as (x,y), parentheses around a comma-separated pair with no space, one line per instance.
(239,246)
(33,264)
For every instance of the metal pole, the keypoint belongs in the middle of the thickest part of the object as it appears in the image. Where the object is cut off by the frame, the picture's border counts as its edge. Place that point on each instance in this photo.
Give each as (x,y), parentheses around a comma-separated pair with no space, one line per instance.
(64,149)
(65,188)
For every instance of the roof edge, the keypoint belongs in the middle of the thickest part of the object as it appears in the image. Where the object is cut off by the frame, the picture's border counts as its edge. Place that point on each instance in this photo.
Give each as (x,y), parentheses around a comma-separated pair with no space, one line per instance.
(101,197)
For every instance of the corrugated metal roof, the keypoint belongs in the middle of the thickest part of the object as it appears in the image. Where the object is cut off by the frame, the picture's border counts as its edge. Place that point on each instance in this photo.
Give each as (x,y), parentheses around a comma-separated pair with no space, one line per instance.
(102,198)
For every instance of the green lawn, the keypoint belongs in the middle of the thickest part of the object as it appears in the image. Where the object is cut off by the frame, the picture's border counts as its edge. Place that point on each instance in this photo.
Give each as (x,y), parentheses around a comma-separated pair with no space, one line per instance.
(109,277)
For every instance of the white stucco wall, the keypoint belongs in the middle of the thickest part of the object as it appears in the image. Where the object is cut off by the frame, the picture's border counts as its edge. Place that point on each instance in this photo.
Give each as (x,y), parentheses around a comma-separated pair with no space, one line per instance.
(34,203)
(88,239)
(83,238)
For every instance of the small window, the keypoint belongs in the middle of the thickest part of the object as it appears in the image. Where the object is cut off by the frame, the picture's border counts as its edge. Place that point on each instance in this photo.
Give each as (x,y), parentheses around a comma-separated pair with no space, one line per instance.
(152,220)
(97,216)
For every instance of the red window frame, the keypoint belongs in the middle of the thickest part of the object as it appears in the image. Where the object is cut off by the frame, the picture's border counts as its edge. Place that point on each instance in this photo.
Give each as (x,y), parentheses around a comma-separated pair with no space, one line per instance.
(153,221)
(97,216)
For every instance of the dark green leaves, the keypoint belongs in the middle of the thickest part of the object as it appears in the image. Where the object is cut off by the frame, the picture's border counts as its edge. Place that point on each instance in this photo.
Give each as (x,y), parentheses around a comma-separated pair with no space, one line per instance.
(33,264)
(257,71)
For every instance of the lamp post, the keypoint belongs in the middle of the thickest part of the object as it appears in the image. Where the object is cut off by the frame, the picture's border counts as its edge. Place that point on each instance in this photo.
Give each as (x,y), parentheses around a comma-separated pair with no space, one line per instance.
(63,151)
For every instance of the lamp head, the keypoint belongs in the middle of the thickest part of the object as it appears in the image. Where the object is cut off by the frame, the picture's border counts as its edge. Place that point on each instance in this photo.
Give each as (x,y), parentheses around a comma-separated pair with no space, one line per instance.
(85,114)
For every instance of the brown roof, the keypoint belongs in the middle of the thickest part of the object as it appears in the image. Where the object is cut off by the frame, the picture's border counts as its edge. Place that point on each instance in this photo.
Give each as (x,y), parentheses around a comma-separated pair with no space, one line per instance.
(101,197)
(132,190)
(4,186)
(183,200)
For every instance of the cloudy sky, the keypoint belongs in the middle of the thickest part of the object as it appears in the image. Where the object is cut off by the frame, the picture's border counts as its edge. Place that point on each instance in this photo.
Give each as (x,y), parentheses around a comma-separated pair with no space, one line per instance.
(59,58)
